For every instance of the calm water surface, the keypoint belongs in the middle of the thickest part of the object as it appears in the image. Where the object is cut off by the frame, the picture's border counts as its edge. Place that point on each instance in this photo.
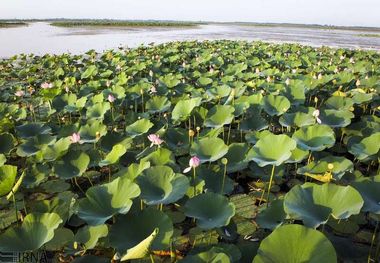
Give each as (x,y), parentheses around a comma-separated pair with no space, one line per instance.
(40,38)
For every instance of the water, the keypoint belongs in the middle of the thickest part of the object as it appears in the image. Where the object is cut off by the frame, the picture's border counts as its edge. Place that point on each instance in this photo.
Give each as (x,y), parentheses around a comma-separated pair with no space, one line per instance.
(41,38)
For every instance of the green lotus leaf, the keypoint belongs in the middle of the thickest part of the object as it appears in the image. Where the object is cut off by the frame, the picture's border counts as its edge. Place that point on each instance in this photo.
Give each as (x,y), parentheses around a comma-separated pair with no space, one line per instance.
(112,138)
(183,109)
(7,142)
(29,130)
(314,138)
(339,103)
(35,174)
(297,156)
(161,156)
(104,201)
(254,136)
(3,159)
(56,150)
(36,230)
(90,71)
(369,188)
(295,93)
(132,229)
(91,132)
(272,216)
(336,118)
(340,164)
(203,81)
(219,116)
(177,140)
(238,156)
(170,80)
(366,147)
(139,127)
(98,110)
(34,144)
(273,150)
(62,237)
(141,250)
(276,105)
(65,100)
(73,164)
(133,170)
(218,91)
(254,123)
(160,185)
(213,180)
(210,209)
(158,104)
(88,236)
(8,175)
(214,255)
(209,149)
(314,203)
(301,244)
(114,155)
(300,117)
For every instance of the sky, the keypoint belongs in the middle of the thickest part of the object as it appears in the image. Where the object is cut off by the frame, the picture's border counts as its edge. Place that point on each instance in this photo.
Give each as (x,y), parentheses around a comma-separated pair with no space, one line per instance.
(324,12)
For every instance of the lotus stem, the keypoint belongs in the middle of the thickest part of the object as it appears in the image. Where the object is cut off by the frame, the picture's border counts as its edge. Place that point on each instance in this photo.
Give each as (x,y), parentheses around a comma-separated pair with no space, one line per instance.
(224,161)
(270,184)
(228,134)
(76,183)
(15,206)
(195,186)
(141,205)
(151,258)
(373,241)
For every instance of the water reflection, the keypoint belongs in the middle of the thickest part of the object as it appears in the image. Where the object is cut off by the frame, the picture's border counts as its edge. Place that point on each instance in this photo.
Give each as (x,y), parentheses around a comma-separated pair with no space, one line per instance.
(40,37)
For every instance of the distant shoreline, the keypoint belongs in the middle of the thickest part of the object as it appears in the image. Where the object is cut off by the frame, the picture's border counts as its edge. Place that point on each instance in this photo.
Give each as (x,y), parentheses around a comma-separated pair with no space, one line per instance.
(172,23)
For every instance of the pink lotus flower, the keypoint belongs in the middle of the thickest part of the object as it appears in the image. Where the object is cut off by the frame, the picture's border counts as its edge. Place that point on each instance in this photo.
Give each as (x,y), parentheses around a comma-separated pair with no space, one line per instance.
(46,85)
(19,93)
(316,116)
(193,163)
(75,137)
(111,98)
(155,139)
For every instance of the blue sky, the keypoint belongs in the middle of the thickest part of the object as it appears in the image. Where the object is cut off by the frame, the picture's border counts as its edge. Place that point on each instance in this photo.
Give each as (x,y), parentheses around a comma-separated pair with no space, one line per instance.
(331,12)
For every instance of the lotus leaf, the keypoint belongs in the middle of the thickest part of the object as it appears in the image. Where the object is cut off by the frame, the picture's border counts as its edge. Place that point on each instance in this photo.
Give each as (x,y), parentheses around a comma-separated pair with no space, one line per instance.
(276,105)
(183,109)
(114,155)
(73,164)
(369,188)
(273,150)
(36,230)
(209,149)
(314,203)
(8,175)
(104,201)
(210,209)
(139,127)
(219,116)
(300,243)
(131,231)
(314,138)
(366,147)
(160,185)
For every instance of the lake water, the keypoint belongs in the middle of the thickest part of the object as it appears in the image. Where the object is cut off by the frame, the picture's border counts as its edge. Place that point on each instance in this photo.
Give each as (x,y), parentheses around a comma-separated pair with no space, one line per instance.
(40,38)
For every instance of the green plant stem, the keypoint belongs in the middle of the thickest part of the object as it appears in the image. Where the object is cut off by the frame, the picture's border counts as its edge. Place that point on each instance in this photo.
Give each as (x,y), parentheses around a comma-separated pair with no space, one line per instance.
(224,178)
(372,241)
(195,186)
(270,184)
(15,206)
